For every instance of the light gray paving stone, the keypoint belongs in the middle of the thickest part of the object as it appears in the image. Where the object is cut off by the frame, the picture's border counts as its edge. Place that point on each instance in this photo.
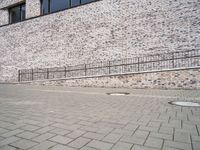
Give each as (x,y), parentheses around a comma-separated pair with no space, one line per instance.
(104,130)
(92,135)
(166,130)
(196,138)
(61,139)
(30,127)
(154,124)
(61,147)
(1,138)
(8,141)
(161,135)
(133,140)
(182,137)
(79,143)
(5,124)
(24,144)
(169,148)
(7,148)
(131,127)
(141,134)
(44,130)
(154,142)
(123,132)
(43,137)
(44,145)
(60,131)
(145,128)
(2,130)
(112,138)
(88,148)
(27,135)
(14,127)
(100,145)
(196,145)
(122,146)
(178,145)
(75,134)
(12,133)
(139,147)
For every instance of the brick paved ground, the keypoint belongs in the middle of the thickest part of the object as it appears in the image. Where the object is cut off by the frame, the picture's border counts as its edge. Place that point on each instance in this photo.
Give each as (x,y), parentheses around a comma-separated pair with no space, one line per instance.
(58,118)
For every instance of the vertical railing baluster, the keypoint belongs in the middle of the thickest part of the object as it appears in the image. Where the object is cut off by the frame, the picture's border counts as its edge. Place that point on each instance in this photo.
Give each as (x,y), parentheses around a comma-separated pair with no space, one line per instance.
(85,69)
(65,73)
(32,74)
(173,65)
(109,71)
(19,75)
(138,62)
(47,73)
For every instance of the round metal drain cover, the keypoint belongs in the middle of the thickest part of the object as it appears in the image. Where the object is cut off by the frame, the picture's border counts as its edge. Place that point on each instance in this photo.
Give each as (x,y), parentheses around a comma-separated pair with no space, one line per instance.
(118,93)
(185,104)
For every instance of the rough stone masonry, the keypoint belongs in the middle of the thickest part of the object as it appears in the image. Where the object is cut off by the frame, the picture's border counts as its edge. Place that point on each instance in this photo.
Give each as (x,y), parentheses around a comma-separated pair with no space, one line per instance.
(100,31)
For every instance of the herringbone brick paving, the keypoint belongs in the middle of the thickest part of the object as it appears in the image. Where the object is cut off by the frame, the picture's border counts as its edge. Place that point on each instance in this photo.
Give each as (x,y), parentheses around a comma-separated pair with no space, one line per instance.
(58,118)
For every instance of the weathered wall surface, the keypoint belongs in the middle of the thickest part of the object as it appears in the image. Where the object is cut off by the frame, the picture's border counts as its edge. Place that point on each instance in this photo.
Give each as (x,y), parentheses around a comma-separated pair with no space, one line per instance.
(100,31)
(4,17)
(180,79)
(7,3)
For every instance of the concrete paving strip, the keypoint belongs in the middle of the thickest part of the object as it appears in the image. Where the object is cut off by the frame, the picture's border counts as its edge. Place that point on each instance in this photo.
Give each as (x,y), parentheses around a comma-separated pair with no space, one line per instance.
(130,95)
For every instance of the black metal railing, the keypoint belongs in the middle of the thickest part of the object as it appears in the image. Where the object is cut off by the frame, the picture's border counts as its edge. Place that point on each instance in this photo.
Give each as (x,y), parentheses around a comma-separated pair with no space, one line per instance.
(157,62)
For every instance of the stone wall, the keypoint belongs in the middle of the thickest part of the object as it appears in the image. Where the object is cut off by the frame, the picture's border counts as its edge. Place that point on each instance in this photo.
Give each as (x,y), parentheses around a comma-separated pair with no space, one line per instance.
(100,31)
(4,17)
(179,79)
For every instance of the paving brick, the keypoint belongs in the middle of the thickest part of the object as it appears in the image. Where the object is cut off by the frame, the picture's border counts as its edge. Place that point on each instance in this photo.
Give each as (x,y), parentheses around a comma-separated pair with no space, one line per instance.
(122,146)
(139,147)
(75,134)
(178,145)
(154,129)
(61,147)
(196,145)
(43,137)
(27,135)
(161,135)
(100,145)
(14,127)
(24,144)
(166,130)
(61,139)
(133,140)
(169,148)
(5,124)
(88,148)
(8,141)
(8,148)
(141,134)
(44,145)
(131,127)
(92,135)
(80,142)
(30,127)
(60,131)
(44,130)
(112,138)
(123,132)
(2,130)
(154,142)
(196,138)
(154,124)
(12,133)
(182,137)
